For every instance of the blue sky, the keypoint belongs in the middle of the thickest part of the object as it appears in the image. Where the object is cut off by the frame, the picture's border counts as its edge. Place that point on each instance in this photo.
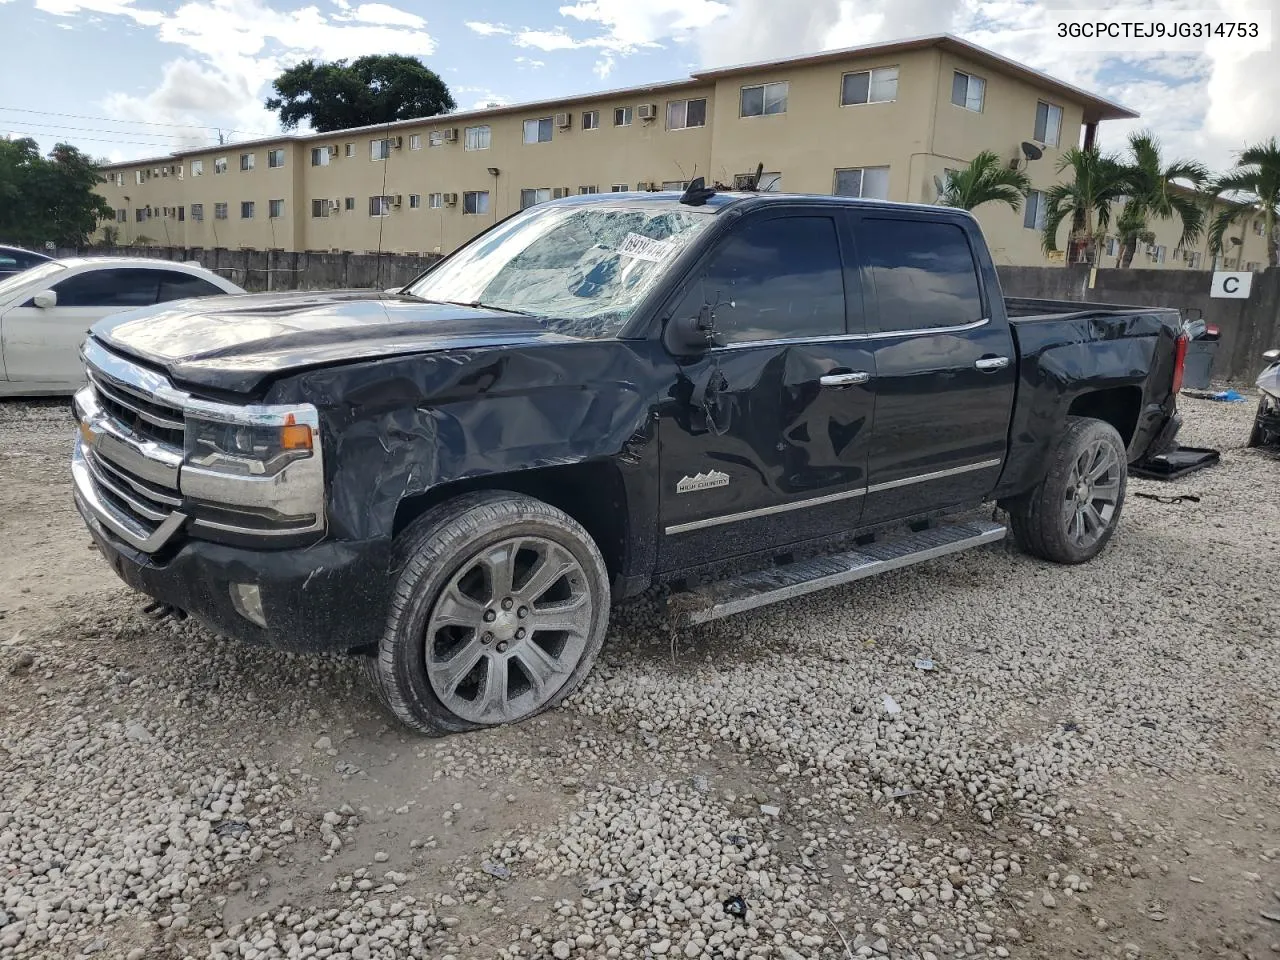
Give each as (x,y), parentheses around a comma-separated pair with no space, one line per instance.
(132,78)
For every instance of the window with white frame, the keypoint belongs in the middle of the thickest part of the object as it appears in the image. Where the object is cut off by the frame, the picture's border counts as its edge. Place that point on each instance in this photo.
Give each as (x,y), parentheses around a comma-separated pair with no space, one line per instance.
(1157,253)
(1193,259)
(684,114)
(1048,123)
(675,184)
(319,156)
(379,206)
(348,203)
(380,149)
(531,195)
(869,182)
(475,202)
(415,201)
(275,159)
(619,188)
(538,131)
(968,91)
(246,162)
(769,182)
(878,85)
(349,150)
(122,216)
(246,209)
(477,137)
(319,209)
(1033,211)
(590,119)
(219,211)
(220,165)
(197,212)
(435,200)
(622,116)
(275,209)
(137,177)
(415,141)
(587,190)
(763,99)
(179,168)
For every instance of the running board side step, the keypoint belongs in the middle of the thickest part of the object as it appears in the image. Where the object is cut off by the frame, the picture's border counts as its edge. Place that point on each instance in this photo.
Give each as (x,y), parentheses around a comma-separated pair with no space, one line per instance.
(761,587)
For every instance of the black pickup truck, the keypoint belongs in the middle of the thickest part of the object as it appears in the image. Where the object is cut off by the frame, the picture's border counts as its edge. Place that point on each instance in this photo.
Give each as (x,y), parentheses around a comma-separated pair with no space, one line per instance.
(739,397)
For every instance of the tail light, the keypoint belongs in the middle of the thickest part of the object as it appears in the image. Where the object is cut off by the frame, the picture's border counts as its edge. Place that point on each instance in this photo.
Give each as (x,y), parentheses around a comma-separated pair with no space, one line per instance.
(1179,361)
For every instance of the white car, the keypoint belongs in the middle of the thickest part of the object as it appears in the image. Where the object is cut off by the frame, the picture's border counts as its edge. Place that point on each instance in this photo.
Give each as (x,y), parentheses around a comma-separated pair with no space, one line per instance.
(45,312)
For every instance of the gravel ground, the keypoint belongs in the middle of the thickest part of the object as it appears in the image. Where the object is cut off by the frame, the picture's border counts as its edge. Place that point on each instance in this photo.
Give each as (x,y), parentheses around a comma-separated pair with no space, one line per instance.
(1091,769)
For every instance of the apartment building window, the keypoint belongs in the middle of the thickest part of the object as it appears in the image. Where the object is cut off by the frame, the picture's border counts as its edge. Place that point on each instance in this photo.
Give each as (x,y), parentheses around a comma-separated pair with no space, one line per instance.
(435,200)
(587,190)
(137,177)
(1048,123)
(349,150)
(683,114)
(1113,246)
(476,138)
(1193,260)
(1033,212)
(435,138)
(590,119)
(619,188)
(1157,253)
(769,182)
(379,206)
(968,91)
(349,203)
(538,131)
(1253,266)
(415,141)
(246,209)
(530,196)
(122,216)
(476,201)
(275,159)
(197,168)
(764,99)
(675,184)
(1259,228)
(178,169)
(415,201)
(275,209)
(319,208)
(182,214)
(246,162)
(622,116)
(869,182)
(319,156)
(197,212)
(380,149)
(219,211)
(869,86)
(220,165)
(140,215)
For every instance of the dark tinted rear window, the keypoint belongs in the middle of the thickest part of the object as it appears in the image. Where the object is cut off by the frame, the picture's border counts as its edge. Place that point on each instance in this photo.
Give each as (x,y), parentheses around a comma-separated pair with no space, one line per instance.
(923,273)
(178,286)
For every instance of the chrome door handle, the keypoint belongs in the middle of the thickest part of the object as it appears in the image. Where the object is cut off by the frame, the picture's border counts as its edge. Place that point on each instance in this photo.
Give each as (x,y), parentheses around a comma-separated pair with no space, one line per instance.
(845,379)
(991,363)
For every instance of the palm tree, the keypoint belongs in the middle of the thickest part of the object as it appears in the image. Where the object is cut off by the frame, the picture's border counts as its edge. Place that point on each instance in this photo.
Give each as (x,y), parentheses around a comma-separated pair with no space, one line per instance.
(1099,180)
(1257,174)
(1154,192)
(985,180)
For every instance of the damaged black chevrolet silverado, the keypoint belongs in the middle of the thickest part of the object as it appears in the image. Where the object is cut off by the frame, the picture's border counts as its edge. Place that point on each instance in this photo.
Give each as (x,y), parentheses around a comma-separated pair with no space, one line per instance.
(744,398)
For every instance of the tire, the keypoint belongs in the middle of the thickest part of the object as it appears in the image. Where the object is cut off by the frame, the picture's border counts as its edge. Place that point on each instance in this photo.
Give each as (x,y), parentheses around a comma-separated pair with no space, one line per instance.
(455,562)
(1256,434)
(1044,522)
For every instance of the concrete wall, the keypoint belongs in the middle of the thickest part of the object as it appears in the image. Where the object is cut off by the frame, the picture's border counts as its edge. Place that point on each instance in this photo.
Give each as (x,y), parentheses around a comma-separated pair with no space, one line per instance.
(1248,326)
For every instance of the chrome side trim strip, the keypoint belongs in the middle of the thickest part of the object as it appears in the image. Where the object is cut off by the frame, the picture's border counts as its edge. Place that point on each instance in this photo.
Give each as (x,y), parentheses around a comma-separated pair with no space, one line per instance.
(936,475)
(829,498)
(847,337)
(765,511)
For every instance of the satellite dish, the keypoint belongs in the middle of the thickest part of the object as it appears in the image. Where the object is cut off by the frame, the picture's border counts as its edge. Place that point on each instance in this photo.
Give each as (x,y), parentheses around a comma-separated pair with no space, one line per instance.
(942,187)
(1031,151)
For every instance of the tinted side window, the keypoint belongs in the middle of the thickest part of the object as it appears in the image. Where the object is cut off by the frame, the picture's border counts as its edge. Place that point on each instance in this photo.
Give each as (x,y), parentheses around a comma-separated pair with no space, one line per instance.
(923,273)
(109,288)
(773,279)
(178,286)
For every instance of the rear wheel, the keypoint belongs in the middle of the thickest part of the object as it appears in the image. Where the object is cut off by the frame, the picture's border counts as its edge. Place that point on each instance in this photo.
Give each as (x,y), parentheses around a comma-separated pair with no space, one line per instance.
(1071,515)
(499,612)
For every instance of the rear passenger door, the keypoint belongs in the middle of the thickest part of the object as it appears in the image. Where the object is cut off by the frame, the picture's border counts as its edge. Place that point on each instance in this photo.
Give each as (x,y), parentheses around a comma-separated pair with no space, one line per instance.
(944,368)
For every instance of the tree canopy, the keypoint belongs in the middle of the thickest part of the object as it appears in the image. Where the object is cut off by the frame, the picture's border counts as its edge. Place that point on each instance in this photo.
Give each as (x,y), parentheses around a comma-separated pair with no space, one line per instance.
(367,91)
(1256,176)
(48,198)
(1161,190)
(1097,181)
(986,180)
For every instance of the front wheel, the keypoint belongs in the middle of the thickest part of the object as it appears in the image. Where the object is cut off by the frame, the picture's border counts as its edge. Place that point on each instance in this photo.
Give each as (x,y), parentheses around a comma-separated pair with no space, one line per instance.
(1070,516)
(499,612)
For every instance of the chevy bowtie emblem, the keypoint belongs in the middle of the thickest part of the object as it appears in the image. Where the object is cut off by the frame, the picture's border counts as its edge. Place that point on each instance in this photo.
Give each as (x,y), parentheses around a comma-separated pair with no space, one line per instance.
(702,481)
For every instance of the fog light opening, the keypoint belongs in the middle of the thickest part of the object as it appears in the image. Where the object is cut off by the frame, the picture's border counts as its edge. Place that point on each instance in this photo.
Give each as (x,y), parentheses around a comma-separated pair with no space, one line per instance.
(247,599)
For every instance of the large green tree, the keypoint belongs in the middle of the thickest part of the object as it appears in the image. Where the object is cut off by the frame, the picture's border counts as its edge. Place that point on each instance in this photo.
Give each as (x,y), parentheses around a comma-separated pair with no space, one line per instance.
(371,90)
(1257,176)
(1097,181)
(1159,190)
(985,180)
(48,198)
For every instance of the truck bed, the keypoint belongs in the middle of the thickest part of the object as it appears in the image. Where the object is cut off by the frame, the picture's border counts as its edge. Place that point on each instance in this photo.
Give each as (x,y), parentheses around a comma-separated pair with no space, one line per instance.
(1022,310)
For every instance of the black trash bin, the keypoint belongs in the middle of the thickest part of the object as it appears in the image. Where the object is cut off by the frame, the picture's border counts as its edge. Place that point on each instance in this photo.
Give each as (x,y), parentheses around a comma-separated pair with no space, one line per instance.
(1200,352)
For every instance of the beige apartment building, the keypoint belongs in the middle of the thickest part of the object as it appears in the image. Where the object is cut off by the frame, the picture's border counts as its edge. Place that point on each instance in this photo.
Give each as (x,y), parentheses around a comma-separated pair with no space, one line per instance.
(877,121)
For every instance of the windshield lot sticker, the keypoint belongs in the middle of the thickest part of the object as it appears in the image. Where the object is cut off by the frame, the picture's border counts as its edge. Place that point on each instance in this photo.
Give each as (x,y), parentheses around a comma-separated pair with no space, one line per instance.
(644,248)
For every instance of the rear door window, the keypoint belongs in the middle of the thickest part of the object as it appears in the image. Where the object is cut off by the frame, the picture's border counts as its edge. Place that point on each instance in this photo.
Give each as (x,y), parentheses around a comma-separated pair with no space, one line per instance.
(923,273)
(179,286)
(109,288)
(772,279)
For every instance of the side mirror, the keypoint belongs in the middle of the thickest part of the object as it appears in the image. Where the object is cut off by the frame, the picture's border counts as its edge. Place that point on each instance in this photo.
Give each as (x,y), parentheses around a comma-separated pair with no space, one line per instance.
(1271,355)
(689,336)
(45,299)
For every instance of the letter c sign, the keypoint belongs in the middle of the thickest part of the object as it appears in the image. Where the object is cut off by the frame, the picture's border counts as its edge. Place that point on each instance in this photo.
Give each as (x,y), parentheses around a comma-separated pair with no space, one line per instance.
(1231,286)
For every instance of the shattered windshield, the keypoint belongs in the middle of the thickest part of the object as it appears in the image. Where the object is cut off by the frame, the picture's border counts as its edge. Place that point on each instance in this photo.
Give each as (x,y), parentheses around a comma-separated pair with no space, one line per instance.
(580,270)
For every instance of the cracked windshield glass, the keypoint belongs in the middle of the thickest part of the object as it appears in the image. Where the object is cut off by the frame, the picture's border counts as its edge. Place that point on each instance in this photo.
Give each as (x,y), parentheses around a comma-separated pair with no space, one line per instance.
(579,270)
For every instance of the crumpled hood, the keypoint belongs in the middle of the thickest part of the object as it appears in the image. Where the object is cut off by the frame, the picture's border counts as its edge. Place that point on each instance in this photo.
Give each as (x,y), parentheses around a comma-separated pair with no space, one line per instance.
(238,343)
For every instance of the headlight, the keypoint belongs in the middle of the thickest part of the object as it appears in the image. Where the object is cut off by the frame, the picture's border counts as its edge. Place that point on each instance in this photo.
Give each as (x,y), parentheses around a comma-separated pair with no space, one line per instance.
(248,448)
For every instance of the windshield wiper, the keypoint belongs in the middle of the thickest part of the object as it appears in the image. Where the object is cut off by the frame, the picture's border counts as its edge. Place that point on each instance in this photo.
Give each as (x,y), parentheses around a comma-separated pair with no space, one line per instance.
(476,305)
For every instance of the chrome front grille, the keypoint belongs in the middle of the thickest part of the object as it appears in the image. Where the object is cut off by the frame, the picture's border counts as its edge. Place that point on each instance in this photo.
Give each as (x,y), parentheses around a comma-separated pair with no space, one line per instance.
(141,415)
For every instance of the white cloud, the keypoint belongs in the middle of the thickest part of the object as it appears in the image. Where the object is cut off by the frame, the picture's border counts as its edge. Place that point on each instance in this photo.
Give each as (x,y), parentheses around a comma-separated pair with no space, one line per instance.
(546,40)
(530,62)
(386,15)
(631,25)
(604,66)
(488,29)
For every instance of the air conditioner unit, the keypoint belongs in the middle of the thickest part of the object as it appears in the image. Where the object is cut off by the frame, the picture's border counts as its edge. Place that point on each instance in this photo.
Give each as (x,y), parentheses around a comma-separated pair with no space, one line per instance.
(333,150)
(397,142)
(451,199)
(647,111)
(397,200)
(563,120)
(451,135)
(335,205)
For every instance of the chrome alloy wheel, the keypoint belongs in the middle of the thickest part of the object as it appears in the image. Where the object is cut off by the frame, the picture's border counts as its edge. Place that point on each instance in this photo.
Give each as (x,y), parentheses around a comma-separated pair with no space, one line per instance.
(1092,493)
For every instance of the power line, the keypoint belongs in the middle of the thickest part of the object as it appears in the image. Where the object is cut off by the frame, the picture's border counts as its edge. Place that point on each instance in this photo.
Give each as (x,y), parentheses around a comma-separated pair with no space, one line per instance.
(133,143)
(152,137)
(148,123)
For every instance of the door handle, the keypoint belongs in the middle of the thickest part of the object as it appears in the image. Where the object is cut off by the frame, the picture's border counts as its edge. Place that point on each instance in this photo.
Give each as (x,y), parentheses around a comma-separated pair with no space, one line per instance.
(845,379)
(991,364)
